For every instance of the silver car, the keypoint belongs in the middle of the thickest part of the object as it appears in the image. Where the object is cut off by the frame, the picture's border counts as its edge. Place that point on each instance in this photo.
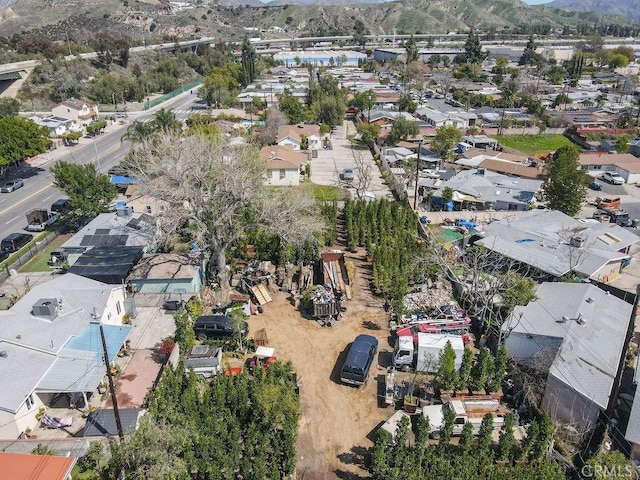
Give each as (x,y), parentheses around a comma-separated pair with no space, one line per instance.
(613,178)
(11,185)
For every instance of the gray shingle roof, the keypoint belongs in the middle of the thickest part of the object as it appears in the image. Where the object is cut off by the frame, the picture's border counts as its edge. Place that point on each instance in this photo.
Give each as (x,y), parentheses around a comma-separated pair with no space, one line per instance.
(540,238)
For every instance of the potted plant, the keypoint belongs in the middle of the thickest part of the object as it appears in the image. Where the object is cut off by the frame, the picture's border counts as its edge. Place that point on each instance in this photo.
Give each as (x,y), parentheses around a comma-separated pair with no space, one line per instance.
(27,432)
(115,368)
(102,388)
(40,414)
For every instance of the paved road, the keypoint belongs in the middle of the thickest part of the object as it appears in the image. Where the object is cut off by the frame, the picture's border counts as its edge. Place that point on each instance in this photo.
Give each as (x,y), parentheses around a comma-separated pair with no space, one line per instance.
(105,151)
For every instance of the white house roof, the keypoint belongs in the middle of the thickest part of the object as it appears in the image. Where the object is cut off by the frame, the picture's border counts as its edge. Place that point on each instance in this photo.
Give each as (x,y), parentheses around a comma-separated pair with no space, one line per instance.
(36,341)
(20,370)
(589,354)
(540,238)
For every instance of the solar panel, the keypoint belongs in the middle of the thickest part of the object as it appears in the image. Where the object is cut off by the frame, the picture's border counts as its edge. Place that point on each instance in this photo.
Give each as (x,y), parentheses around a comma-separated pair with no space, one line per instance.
(102,231)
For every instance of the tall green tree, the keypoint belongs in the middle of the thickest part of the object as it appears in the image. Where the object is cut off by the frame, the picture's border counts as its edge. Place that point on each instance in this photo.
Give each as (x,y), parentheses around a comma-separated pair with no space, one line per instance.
(465,369)
(447,137)
(364,101)
(481,369)
(566,187)
(484,434)
(507,439)
(407,103)
(89,192)
(473,49)
(402,129)
(369,133)
(499,370)
(20,139)
(291,107)
(447,367)
(248,63)
(411,50)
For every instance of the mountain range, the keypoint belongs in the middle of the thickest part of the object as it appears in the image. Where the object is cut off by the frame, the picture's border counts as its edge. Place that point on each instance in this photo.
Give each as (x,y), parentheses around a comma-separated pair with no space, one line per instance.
(230,20)
(628,8)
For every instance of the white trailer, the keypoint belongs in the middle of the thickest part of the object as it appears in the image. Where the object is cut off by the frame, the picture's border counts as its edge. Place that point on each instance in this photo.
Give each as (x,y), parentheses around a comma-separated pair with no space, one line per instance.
(422,352)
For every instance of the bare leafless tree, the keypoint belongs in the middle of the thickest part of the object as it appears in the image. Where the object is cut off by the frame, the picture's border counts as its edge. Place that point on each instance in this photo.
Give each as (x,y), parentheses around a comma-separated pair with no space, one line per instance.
(362,171)
(274,119)
(219,190)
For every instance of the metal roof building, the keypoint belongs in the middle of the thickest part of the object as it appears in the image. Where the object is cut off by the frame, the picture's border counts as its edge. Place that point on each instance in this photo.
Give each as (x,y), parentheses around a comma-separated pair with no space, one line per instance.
(576,332)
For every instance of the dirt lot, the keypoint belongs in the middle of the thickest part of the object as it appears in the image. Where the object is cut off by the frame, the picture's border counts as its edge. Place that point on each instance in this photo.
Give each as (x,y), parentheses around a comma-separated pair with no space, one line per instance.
(337,422)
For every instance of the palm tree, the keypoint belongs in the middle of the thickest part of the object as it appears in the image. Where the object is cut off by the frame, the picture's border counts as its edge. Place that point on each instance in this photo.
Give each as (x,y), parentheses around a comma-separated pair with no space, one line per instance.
(139,131)
(166,122)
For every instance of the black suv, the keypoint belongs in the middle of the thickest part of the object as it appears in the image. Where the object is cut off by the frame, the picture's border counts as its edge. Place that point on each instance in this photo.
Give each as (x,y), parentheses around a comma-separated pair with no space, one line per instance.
(216,326)
(61,206)
(15,242)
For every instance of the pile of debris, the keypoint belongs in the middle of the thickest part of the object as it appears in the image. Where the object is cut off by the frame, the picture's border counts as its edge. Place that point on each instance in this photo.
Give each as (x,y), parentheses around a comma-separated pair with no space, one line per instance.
(323,294)
(428,295)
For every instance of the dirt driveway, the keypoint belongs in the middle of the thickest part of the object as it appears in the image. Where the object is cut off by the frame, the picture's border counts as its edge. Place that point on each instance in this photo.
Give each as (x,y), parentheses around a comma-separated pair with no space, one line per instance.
(337,421)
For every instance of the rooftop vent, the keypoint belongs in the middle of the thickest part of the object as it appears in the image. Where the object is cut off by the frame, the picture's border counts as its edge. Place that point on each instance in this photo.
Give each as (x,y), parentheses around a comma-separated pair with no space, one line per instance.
(4,354)
(576,242)
(46,308)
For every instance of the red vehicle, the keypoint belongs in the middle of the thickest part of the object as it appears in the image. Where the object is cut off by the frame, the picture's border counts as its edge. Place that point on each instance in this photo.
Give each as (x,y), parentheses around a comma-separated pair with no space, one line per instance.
(413,330)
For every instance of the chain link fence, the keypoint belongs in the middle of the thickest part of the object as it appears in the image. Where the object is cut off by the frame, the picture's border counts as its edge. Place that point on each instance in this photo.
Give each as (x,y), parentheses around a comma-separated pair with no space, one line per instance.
(25,254)
(168,96)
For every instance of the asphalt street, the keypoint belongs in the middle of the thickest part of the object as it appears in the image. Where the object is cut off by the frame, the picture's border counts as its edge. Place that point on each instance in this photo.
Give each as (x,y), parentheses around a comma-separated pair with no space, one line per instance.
(104,151)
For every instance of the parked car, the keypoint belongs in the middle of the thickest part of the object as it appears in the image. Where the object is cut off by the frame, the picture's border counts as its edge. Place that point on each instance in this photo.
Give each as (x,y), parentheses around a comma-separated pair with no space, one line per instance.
(61,206)
(11,185)
(361,356)
(608,202)
(208,327)
(613,178)
(15,241)
(595,186)
(347,175)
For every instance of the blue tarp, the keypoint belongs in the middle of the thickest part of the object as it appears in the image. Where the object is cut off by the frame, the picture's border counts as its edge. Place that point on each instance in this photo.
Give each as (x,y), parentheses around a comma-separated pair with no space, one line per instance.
(122,180)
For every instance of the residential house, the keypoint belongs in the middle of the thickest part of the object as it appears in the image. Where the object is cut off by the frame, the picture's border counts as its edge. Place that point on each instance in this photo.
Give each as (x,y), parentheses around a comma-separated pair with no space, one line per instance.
(553,244)
(575,333)
(626,164)
(480,141)
(438,119)
(57,126)
(167,273)
(22,466)
(291,135)
(511,164)
(482,189)
(124,227)
(51,346)
(77,110)
(634,147)
(283,165)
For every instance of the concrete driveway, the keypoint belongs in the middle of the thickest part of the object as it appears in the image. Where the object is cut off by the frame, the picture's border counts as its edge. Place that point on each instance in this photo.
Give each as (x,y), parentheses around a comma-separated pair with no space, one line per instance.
(326,169)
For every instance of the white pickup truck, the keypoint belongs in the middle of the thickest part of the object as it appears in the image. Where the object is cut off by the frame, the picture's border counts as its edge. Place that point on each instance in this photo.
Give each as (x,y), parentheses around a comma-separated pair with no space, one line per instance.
(39,219)
(467,411)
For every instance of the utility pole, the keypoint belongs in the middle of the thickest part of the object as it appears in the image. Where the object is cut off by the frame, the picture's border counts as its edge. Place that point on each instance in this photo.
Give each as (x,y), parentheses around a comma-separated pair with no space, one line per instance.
(415,193)
(114,399)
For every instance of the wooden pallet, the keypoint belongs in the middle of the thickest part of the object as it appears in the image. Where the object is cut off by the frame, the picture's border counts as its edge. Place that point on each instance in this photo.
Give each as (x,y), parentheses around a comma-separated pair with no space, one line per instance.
(261,294)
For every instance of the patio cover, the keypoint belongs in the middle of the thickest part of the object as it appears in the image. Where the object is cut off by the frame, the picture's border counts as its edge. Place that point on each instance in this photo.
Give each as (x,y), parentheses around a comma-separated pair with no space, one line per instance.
(80,365)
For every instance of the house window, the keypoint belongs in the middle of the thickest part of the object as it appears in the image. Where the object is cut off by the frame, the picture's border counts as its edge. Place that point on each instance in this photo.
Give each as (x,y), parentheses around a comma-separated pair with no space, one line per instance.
(283,174)
(118,308)
(30,402)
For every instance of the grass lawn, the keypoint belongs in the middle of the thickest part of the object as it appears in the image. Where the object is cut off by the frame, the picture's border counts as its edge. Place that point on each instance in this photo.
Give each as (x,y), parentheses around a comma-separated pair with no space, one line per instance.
(39,262)
(323,192)
(534,144)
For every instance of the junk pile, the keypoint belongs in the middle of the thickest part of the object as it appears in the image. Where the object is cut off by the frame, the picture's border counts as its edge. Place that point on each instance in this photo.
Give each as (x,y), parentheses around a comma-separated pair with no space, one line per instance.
(428,295)
(326,304)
